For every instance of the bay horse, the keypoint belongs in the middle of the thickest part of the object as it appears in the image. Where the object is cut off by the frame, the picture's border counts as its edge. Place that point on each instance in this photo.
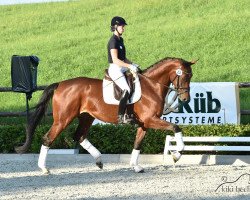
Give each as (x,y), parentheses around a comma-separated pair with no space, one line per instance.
(82,98)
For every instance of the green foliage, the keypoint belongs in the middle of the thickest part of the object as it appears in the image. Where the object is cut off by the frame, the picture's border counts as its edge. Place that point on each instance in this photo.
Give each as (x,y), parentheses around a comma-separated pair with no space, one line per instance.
(111,139)
(10,137)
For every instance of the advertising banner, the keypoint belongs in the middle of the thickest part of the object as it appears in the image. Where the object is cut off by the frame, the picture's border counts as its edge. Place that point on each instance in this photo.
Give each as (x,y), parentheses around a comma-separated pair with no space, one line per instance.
(210,103)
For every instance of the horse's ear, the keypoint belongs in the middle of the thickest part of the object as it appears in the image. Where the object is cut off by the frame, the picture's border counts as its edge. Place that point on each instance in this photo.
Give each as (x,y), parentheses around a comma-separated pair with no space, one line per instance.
(193,62)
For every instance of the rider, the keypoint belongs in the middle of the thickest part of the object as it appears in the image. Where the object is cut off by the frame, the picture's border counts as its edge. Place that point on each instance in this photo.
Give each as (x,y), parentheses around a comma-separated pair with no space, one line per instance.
(118,64)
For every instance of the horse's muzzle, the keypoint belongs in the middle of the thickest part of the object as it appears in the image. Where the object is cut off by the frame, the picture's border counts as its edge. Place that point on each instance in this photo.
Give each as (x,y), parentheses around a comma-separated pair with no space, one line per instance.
(184,97)
(183,94)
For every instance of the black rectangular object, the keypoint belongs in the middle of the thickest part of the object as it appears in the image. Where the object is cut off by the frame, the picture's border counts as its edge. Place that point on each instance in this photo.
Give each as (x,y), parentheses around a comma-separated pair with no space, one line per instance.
(24,73)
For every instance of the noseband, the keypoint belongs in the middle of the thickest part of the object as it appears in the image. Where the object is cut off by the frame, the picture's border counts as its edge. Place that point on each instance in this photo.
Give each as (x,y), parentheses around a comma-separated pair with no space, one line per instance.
(179,73)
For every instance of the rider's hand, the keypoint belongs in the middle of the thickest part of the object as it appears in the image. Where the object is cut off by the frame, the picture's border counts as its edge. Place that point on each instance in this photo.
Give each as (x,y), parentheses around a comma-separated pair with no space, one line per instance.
(138,66)
(139,70)
(133,68)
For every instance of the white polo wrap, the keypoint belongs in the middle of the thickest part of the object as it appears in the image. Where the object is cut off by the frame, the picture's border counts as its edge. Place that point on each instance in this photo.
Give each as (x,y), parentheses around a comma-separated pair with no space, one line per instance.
(43,156)
(134,157)
(179,141)
(90,148)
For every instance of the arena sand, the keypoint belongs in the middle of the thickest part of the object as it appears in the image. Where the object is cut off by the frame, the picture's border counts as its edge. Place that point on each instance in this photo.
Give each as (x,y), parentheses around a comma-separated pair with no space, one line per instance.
(21,179)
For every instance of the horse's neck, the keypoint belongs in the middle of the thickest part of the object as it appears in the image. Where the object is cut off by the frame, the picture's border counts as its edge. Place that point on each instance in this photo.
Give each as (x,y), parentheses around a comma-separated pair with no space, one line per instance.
(159,79)
(160,74)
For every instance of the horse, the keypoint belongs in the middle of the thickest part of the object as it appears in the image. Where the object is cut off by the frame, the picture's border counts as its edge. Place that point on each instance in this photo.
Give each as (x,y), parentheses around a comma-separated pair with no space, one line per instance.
(82,98)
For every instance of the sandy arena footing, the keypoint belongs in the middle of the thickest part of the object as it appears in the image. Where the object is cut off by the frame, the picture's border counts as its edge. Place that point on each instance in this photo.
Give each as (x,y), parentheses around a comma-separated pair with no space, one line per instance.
(77,177)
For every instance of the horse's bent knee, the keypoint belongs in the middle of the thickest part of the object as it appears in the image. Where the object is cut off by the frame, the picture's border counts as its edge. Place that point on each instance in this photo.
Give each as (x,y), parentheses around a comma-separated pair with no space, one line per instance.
(176,129)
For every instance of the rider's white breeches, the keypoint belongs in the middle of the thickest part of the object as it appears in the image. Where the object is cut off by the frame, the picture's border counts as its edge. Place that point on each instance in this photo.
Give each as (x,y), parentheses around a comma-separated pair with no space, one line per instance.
(117,75)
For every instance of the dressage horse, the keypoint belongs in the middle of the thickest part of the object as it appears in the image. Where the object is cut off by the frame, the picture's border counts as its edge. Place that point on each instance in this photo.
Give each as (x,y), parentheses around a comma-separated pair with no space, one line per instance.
(82,98)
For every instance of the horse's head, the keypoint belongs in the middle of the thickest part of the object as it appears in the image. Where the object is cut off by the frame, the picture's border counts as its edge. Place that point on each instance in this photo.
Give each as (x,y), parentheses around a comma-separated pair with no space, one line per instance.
(180,76)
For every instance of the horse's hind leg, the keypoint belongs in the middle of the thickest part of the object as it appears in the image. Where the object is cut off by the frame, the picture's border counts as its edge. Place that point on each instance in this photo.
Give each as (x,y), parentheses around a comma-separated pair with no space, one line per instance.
(57,127)
(85,122)
(136,151)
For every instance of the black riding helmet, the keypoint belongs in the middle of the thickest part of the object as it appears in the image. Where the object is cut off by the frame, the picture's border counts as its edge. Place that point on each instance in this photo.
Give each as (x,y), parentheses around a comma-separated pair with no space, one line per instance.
(117,21)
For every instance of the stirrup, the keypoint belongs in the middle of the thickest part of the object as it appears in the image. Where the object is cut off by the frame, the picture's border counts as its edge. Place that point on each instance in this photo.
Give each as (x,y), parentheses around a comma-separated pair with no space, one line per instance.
(129,119)
(125,119)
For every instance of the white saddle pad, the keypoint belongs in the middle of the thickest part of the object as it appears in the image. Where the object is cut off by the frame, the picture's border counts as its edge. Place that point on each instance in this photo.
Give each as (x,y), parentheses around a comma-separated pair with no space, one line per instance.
(108,92)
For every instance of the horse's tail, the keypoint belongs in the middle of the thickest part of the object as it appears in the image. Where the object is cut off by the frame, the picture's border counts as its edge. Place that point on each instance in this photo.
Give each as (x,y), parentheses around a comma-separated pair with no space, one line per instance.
(36,117)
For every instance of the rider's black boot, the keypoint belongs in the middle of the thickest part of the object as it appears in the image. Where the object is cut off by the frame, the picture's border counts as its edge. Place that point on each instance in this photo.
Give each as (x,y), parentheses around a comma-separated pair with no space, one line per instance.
(122,118)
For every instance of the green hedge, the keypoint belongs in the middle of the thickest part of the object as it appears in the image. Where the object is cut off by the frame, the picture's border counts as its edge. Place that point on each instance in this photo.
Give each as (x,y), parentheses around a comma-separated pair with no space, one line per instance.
(111,138)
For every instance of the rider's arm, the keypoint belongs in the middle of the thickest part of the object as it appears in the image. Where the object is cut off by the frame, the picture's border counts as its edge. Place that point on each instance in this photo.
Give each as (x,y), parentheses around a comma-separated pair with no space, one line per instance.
(116,60)
(127,61)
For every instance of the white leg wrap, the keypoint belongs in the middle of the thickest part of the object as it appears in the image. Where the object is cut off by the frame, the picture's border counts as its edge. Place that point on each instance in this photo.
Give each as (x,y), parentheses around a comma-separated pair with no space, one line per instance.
(90,148)
(42,157)
(134,157)
(134,161)
(179,141)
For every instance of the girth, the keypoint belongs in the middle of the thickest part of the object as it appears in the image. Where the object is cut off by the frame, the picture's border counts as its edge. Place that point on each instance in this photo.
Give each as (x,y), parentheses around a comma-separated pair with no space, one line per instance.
(117,90)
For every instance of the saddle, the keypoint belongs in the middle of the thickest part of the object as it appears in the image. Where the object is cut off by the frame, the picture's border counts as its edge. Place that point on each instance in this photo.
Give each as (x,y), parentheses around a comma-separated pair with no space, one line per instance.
(117,90)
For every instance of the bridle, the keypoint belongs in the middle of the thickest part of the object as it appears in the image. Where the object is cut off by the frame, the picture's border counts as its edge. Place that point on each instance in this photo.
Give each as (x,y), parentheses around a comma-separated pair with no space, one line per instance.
(179,73)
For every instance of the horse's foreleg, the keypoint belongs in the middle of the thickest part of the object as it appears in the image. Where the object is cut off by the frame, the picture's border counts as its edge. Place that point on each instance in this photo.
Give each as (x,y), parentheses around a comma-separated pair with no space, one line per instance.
(136,151)
(85,121)
(157,123)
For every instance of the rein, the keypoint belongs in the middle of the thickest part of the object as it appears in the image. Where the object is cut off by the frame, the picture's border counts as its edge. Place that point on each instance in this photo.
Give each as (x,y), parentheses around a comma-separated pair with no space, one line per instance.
(171,88)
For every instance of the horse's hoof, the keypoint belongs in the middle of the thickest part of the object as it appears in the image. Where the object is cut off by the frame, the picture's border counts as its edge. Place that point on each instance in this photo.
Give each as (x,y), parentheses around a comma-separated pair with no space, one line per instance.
(138,169)
(45,171)
(176,156)
(99,164)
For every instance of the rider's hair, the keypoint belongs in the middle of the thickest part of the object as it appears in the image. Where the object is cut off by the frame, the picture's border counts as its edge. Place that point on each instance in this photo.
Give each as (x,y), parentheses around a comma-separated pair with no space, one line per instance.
(112,28)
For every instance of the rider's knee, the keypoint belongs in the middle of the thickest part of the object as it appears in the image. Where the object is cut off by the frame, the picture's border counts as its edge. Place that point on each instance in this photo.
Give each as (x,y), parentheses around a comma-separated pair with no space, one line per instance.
(176,128)
(128,90)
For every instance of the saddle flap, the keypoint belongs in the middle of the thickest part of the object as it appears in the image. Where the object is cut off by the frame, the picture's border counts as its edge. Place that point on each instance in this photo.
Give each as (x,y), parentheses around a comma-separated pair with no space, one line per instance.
(117,90)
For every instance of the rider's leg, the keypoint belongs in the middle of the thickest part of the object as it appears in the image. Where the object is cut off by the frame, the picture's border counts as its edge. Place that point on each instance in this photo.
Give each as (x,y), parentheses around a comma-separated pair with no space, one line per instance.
(122,108)
(116,73)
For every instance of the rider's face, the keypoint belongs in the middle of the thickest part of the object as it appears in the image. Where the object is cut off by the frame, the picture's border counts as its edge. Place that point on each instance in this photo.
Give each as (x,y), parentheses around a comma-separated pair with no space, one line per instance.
(121,29)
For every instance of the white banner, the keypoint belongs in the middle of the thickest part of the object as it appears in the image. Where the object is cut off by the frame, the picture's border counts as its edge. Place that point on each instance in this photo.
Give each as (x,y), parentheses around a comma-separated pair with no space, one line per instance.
(210,103)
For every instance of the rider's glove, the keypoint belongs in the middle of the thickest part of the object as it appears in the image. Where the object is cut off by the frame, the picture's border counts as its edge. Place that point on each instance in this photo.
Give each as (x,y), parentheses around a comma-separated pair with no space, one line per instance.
(136,65)
(133,68)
